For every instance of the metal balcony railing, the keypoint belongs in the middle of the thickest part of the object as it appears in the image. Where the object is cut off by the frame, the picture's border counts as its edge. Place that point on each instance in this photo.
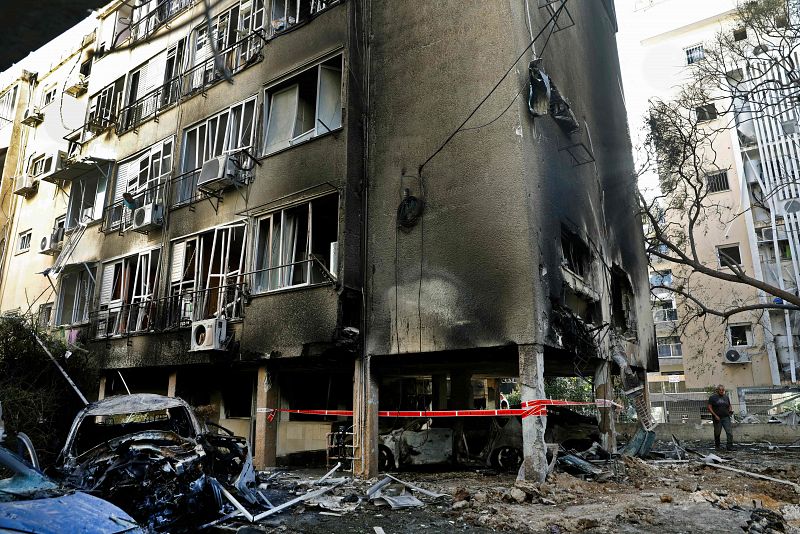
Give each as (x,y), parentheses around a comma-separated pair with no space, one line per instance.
(673,350)
(168,313)
(184,189)
(197,79)
(294,274)
(163,12)
(665,315)
(118,216)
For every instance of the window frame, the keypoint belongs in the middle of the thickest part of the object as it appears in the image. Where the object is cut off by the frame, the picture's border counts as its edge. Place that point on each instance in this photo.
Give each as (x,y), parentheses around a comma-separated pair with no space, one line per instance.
(98,205)
(706,112)
(748,334)
(729,245)
(689,53)
(24,238)
(49,92)
(716,177)
(85,280)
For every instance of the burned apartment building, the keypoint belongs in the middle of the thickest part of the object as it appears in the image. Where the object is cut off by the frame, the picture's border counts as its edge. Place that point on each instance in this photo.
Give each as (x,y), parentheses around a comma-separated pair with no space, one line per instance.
(277,204)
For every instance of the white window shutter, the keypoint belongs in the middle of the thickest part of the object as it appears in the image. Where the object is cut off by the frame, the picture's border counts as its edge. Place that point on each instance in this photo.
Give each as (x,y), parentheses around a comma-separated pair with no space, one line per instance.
(178,253)
(107,283)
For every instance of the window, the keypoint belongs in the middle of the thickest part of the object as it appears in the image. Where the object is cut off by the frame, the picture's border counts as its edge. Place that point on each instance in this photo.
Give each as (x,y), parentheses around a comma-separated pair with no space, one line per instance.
(729,255)
(143,176)
(740,34)
(304,106)
(694,54)
(785,249)
(127,287)
(717,182)
(287,13)
(293,245)
(86,68)
(40,165)
(8,101)
(669,347)
(75,293)
(664,311)
(149,15)
(49,96)
(86,196)
(575,253)
(103,107)
(45,316)
(740,335)
(661,278)
(24,241)
(706,112)
(206,275)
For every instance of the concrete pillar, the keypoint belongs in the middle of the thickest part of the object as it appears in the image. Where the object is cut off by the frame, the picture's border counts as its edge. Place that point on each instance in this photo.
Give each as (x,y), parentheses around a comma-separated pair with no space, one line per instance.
(172,383)
(266,438)
(461,397)
(604,390)
(101,394)
(439,390)
(531,378)
(365,419)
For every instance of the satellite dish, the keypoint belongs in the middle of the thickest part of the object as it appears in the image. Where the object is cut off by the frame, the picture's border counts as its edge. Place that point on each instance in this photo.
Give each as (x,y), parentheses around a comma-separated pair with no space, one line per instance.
(129,201)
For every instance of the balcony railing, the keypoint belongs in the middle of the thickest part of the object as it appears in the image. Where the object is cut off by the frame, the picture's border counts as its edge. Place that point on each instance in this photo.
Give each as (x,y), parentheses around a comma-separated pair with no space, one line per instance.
(165,10)
(295,274)
(673,350)
(197,79)
(118,216)
(184,189)
(169,313)
(665,315)
(304,10)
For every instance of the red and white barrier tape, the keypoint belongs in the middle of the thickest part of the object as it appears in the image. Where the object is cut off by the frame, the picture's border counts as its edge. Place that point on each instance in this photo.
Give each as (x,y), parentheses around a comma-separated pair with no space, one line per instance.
(533,408)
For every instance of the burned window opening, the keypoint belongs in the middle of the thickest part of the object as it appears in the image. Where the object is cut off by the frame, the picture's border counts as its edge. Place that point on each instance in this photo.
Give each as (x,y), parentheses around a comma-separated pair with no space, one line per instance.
(86,197)
(74,295)
(575,253)
(623,313)
(572,333)
(127,291)
(544,97)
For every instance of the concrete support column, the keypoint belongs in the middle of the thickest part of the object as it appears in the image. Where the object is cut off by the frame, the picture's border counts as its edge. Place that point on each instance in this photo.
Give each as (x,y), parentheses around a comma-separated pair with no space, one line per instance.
(461,397)
(266,438)
(101,394)
(531,378)
(439,392)
(365,419)
(172,383)
(604,391)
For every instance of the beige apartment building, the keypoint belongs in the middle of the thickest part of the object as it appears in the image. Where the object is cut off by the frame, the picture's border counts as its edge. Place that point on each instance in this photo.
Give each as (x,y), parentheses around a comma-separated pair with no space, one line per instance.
(754,353)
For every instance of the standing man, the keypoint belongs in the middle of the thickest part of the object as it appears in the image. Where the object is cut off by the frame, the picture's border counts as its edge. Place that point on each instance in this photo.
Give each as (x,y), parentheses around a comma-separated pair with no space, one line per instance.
(720,407)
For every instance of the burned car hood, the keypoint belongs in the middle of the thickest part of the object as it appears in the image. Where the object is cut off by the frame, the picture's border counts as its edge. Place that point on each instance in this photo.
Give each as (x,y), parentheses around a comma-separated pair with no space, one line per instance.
(158,441)
(73,512)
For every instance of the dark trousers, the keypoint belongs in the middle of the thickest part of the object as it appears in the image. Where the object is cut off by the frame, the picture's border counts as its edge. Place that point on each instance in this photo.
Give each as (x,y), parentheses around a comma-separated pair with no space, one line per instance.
(724,422)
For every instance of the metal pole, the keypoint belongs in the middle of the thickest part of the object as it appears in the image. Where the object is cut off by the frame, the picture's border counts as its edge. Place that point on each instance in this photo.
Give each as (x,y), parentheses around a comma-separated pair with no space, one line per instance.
(63,372)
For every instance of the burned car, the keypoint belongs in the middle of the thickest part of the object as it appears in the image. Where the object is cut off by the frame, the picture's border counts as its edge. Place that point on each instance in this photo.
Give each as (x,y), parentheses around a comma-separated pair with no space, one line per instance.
(150,455)
(31,502)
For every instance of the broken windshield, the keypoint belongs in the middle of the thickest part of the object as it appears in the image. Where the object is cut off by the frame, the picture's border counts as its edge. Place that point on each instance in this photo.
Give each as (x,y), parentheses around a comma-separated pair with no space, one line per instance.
(98,429)
(18,481)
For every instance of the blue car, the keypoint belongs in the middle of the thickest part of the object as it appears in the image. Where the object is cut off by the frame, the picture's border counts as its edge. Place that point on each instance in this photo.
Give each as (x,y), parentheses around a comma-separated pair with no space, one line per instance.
(32,503)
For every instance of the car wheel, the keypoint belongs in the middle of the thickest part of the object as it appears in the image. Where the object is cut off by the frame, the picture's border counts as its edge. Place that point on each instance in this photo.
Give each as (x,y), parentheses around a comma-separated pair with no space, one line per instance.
(507,458)
(385,459)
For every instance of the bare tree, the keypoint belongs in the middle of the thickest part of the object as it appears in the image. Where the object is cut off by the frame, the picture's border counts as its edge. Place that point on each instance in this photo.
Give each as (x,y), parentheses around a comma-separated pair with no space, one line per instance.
(748,72)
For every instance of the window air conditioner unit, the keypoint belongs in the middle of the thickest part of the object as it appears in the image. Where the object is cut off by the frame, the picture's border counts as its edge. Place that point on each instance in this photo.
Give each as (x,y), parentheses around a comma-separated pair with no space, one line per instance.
(219,173)
(32,116)
(57,164)
(148,217)
(208,334)
(25,185)
(767,234)
(52,244)
(735,355)
(78,87)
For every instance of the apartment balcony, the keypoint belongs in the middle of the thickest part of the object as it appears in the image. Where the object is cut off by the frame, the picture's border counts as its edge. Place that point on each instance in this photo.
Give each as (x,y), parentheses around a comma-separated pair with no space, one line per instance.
(287,15)
(151,315)
(147,24)
(121,215)
(196,80)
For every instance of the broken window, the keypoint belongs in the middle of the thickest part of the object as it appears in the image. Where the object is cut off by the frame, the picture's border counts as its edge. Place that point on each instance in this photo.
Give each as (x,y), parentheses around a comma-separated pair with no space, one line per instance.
(40,165)
(623,312)
(575,253)
(206,277)
(740,335)
(24,241)
(717,182)
(694,54)
(287,13)
(144,176)
(127,288)
(103,107)
(740,34)
(669,347)
(45,316)
(304,106)
(8,101)
(75,294)
(149,15)
(706,112)
(86,68)
(295,244)
(729,255)
(664,311)
(86,196)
